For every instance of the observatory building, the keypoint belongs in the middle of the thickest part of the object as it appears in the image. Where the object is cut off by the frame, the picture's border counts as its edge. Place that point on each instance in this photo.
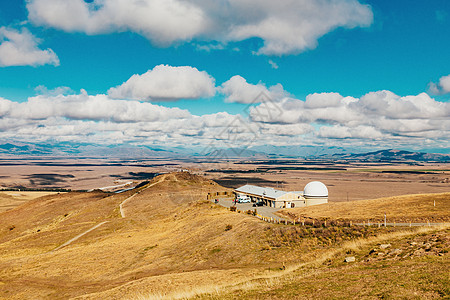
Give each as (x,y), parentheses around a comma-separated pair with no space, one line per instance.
(314,193)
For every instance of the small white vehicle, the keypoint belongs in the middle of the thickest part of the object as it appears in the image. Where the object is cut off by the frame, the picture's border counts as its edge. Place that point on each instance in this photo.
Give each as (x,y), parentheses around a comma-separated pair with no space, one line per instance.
(243,199)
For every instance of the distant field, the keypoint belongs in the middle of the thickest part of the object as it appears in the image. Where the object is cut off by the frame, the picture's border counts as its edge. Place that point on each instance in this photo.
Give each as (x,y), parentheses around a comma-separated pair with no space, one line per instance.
(345,180)
(10,200)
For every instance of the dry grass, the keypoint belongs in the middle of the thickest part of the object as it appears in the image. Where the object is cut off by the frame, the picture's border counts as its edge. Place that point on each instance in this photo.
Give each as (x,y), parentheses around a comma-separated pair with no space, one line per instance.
(172,244)
(257,286)
(169,234)
(408,208)
(12,199)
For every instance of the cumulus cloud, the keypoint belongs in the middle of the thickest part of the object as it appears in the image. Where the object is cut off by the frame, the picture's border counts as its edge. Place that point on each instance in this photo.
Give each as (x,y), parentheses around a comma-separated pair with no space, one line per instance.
(166,83)
(442,87)
(86,107)
(375,115)
(161,21)
(285,26)
(380,118)
(20,48)
(237,89)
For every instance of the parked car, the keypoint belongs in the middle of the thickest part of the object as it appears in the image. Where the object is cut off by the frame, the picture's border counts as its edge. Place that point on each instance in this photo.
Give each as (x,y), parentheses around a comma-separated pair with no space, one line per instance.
(258,204)
(243,199)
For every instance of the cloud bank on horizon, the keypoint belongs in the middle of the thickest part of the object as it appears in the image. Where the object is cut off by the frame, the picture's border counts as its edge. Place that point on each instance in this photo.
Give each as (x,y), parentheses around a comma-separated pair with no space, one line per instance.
(377,118)
(142,110)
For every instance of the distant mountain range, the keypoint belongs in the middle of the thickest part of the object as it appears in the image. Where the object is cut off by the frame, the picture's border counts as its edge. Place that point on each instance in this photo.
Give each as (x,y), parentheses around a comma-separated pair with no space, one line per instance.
(391,155)
(85,150)
(260,152)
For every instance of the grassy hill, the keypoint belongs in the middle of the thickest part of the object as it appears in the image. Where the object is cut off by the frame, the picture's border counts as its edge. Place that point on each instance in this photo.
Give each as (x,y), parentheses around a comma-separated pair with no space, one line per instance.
(408,208)
(172,240)
(402,265)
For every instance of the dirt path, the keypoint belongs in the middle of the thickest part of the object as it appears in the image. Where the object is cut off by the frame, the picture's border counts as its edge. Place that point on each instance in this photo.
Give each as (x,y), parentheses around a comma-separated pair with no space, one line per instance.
(78,236)
(122,210)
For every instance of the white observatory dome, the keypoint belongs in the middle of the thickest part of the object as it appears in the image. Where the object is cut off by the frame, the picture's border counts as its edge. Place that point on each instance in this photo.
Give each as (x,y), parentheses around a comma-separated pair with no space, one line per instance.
(315,189)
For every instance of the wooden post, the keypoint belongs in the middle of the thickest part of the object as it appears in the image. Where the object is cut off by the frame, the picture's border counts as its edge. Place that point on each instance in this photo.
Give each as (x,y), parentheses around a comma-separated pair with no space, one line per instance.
(410,223)
(384,219)
(350,223)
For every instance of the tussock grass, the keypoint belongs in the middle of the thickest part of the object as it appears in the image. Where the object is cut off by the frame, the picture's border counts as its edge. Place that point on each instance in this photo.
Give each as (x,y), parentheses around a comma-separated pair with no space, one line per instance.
(271,279)
(407,208)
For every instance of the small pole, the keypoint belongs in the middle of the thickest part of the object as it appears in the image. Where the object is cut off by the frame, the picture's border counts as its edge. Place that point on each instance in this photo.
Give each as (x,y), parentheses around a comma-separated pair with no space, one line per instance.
(434,203)
(410,223)
(384,219)
(350,223)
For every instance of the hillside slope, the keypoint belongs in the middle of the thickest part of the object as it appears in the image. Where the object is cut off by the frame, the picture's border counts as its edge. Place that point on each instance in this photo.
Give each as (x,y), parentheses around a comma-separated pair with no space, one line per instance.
(408,208)
(171,239)
(170,232)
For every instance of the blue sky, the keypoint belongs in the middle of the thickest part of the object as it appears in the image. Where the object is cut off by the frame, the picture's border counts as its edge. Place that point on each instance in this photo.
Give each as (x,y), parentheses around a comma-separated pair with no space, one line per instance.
(355,49)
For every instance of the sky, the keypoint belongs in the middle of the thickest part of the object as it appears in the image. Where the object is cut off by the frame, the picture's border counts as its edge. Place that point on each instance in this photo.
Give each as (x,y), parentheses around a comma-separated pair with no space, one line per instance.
(205,75)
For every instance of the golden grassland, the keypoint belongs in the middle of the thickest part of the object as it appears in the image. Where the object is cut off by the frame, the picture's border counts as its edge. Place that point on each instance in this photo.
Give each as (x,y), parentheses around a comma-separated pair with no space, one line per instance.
(12,199)
(408,208)
(172,244)
(415,265)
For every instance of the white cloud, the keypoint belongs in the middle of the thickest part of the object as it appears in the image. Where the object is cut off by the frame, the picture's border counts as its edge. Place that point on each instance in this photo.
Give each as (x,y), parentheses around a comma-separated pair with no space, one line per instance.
(273,64)
(285,26)
(375,115)
(237,89)
(294,26)
(342,132)
(20,48)
(86,107)
(166,83)
(442,87)
(161,21)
